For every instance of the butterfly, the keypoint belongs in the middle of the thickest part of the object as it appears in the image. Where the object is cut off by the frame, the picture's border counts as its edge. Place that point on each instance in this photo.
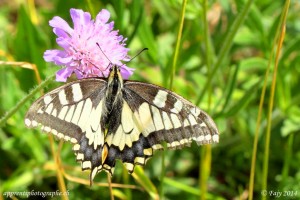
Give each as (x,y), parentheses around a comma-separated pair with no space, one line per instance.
(107,119)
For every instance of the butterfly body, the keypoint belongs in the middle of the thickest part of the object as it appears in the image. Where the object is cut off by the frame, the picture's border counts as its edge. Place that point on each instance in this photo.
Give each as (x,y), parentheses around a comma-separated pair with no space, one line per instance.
(110,119)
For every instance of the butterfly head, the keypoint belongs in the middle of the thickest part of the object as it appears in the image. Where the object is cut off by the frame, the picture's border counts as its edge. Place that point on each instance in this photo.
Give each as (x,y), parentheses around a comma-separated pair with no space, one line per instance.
(115,80)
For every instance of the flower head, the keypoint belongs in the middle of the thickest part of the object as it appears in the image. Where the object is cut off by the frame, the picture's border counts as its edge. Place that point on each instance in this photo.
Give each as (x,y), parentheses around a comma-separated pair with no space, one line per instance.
(80,54)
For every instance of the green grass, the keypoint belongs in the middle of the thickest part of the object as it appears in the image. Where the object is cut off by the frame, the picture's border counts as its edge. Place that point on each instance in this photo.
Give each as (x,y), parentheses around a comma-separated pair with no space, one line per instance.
(231,58)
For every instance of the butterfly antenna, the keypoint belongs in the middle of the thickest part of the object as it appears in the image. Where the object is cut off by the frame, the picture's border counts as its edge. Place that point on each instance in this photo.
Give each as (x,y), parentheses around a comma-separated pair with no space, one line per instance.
(110,63)
(144,49)
(103,52)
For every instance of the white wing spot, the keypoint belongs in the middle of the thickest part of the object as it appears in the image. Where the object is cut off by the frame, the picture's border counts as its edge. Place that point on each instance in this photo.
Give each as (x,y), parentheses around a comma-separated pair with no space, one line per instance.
(108,139)
(27,122)
(77,93)
(54,112)
(67,138)
(49,108)
(94,172)
(184,141)
(157,146)
(192,120)
(129,166)
(40,111)
(117,139)
(70,113)
(200,138)
(77,112)
(146,119)
(157,119)
(208,137)
(85,113)
(80,156)
(195,111)
(148,152)
(139,160)
(47,99)
(73,140)
(60,135)
(215,138)
(173,144)
(175,120)
(63,112)
(76,147)
(128,140)
(47,129)
(160,99)
(95,116)
(177,107)
(54,132)
(186,123)
(167,121)
(62,97)
(126,117)
(86,164)
(202,124)
(34,123)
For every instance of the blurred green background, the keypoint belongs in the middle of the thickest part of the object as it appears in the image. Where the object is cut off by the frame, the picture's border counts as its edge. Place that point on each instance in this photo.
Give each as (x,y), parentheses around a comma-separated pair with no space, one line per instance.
(226,49)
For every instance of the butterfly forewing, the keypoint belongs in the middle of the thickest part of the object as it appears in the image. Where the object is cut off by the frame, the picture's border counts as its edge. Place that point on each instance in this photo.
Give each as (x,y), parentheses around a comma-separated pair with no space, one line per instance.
(126,122)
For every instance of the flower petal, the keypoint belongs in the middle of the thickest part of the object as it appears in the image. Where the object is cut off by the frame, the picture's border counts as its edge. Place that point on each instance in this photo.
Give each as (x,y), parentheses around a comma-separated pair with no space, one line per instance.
(58,60)
(103,16)
(63,74)
(80,19)
(126,72)
(60,23)
(61,33)
(64,43)
(49,55)
(80,54)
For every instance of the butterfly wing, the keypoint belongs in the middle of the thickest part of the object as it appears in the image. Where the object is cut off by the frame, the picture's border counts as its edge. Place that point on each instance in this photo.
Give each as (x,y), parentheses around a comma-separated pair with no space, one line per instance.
(146,116)
(152,115)
(73,112)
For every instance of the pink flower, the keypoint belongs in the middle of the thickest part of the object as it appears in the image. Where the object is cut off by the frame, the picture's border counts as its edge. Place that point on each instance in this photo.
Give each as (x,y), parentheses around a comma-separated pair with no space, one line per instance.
(80,54)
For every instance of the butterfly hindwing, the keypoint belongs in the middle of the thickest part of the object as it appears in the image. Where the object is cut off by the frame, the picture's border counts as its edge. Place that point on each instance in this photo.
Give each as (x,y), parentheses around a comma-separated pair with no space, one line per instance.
(152,115)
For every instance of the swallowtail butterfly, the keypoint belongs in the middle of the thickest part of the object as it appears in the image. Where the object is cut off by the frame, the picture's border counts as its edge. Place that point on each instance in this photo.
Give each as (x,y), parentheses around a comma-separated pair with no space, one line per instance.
(110,118)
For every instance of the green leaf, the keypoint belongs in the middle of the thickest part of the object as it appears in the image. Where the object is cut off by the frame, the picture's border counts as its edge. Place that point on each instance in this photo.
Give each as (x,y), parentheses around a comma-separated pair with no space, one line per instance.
(140,176)
(292,123)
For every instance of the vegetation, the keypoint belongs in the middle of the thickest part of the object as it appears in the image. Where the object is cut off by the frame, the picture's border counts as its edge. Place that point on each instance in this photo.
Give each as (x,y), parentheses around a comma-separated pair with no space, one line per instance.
(237,60)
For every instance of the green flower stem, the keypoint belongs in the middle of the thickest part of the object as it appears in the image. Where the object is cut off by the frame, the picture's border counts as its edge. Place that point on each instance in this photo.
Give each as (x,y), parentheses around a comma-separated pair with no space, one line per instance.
(175,58)
(205,155)
(280,33)
(24,100)
(178,42)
